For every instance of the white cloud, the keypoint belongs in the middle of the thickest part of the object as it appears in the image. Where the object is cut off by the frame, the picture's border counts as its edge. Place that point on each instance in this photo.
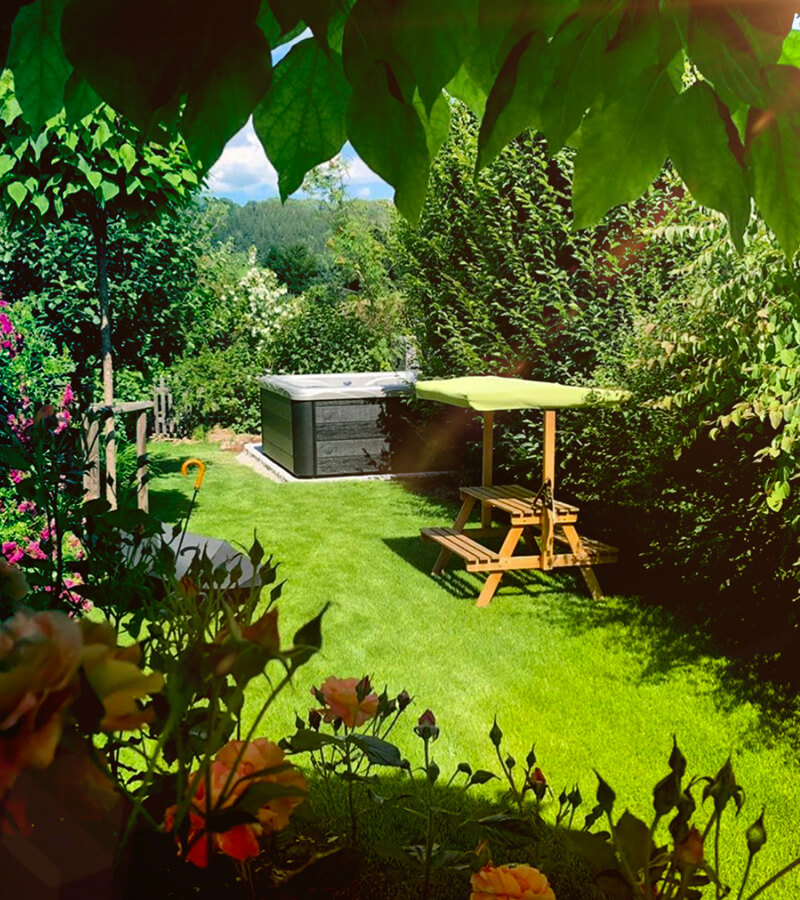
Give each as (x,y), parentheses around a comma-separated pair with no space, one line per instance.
(360,173)
(243,169)
(244,173)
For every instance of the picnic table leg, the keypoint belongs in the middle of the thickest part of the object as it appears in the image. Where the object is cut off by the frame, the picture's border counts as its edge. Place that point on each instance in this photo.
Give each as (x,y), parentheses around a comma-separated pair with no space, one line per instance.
(549,486)
(576,545)
(493,581)
(458,525)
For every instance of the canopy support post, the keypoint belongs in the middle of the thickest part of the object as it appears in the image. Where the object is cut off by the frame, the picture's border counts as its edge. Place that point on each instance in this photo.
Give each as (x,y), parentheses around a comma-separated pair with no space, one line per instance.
(548,488)
(488,454)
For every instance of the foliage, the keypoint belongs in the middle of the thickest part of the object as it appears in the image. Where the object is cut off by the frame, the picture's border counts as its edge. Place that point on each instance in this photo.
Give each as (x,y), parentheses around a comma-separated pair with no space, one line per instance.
(218,386)
(328,334)
(375,72)
(154,290)
(499,282)
(86,162)
(707,450)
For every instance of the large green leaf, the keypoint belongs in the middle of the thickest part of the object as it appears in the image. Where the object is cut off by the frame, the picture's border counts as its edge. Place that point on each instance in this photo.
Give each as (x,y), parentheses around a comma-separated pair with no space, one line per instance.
(368,41)
(436,124)
(721,50)
(221,103)
(772,158)
(301,122)
(135,67)
(513,104)
(389,136)
(705,147)
(80,98)
(576,57)
(38,61)
(623,146)
(434,37)
(463,87)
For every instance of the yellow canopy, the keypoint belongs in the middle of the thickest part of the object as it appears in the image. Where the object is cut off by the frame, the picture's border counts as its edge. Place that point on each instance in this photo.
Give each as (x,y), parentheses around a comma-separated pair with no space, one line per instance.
(485,393)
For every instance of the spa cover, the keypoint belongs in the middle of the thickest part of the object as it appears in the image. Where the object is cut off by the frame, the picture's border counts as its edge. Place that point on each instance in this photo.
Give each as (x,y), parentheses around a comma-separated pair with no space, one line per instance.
(492,392)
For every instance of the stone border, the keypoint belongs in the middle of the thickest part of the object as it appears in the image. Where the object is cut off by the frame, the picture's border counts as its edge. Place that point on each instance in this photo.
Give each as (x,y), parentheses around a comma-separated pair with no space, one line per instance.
(254,459)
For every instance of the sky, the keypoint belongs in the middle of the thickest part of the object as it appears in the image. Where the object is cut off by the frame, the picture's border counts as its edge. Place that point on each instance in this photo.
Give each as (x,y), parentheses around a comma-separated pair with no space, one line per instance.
(244,173)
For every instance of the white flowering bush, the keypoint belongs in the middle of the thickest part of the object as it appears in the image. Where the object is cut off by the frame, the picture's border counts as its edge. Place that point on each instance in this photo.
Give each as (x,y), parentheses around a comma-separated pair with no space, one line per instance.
(266,302)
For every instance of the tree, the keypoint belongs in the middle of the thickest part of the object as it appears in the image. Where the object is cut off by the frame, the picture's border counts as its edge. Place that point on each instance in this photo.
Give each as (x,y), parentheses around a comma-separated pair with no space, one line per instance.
(712,86)
(87,163)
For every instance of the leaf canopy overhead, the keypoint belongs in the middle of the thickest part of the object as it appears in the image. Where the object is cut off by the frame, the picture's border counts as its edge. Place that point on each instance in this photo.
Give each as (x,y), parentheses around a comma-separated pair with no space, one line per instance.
(713,86)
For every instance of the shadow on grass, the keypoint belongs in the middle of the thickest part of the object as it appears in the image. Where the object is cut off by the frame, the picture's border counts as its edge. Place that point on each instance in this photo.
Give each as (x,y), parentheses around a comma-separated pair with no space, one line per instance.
(318,847)
(421,555)
(169,505)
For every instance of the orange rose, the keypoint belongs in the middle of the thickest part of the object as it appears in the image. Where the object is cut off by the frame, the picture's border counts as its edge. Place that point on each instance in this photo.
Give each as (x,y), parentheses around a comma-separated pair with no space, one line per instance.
(39,657)
(241,841)
(341,699)
(510,883)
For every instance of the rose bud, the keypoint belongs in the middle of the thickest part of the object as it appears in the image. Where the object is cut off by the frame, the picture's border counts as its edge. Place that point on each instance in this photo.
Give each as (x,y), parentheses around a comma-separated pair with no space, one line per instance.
(314,719)
(689,851)
(538,783)
(403,700)
(427,718)
(426,727)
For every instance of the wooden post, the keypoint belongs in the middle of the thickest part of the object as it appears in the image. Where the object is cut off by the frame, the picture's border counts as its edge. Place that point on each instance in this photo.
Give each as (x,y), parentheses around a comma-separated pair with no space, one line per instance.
(141,460)
(488,454)
(549,485)
(91,438)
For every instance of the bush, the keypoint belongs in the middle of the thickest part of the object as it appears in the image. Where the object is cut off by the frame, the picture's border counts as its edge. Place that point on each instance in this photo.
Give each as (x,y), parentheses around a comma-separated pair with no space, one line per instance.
(696,477)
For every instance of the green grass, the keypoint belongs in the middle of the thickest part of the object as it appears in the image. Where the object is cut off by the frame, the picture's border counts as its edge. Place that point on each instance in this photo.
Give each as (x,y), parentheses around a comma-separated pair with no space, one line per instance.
(595,686)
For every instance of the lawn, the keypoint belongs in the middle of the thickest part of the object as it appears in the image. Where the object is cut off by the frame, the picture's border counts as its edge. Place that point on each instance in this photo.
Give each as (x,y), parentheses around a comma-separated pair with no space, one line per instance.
(595,686)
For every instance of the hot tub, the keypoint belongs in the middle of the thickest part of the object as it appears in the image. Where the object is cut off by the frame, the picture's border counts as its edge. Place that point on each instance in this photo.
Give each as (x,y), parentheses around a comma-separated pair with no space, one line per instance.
(341,424)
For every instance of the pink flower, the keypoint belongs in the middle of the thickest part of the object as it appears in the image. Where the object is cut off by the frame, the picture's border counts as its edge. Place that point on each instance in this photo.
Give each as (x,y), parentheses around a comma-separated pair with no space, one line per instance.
(16,475)
(27,506)
(12,551)
(5,324)
(64,419)
(68,397)
(35,551)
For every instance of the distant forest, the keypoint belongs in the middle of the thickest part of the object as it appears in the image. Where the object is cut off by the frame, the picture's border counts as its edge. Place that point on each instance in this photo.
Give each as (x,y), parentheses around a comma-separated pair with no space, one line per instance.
(292,238)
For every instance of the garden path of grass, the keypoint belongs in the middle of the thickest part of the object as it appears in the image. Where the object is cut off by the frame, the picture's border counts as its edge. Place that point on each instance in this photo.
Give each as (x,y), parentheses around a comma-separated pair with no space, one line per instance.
(596,686)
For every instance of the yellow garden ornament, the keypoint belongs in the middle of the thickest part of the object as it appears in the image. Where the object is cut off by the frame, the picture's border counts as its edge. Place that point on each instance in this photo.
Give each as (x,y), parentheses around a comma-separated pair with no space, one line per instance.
(201,471)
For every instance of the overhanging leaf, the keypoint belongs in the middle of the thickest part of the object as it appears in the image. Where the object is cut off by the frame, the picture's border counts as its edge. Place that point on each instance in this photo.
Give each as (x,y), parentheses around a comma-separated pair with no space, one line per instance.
(301,122)
(513,104)
(388,135)
(772,160)
(434,37)
(623,146)
(35,55)
(80,98)
(576,56)
(705,147)
(233,82)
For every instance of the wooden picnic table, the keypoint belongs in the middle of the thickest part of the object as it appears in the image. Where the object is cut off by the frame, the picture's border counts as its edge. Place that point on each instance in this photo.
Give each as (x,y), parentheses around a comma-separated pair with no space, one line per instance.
(543,524)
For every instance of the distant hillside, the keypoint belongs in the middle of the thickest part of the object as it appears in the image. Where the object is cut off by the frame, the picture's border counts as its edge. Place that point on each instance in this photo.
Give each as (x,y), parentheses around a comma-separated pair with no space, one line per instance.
(269,225)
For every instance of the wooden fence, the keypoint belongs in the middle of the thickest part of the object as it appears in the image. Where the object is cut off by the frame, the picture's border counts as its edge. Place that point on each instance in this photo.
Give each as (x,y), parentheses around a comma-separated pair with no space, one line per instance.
(164,424)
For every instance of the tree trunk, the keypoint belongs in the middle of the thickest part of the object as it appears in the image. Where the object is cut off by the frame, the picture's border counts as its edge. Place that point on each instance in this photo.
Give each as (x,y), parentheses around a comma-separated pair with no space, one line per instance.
(100,231)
